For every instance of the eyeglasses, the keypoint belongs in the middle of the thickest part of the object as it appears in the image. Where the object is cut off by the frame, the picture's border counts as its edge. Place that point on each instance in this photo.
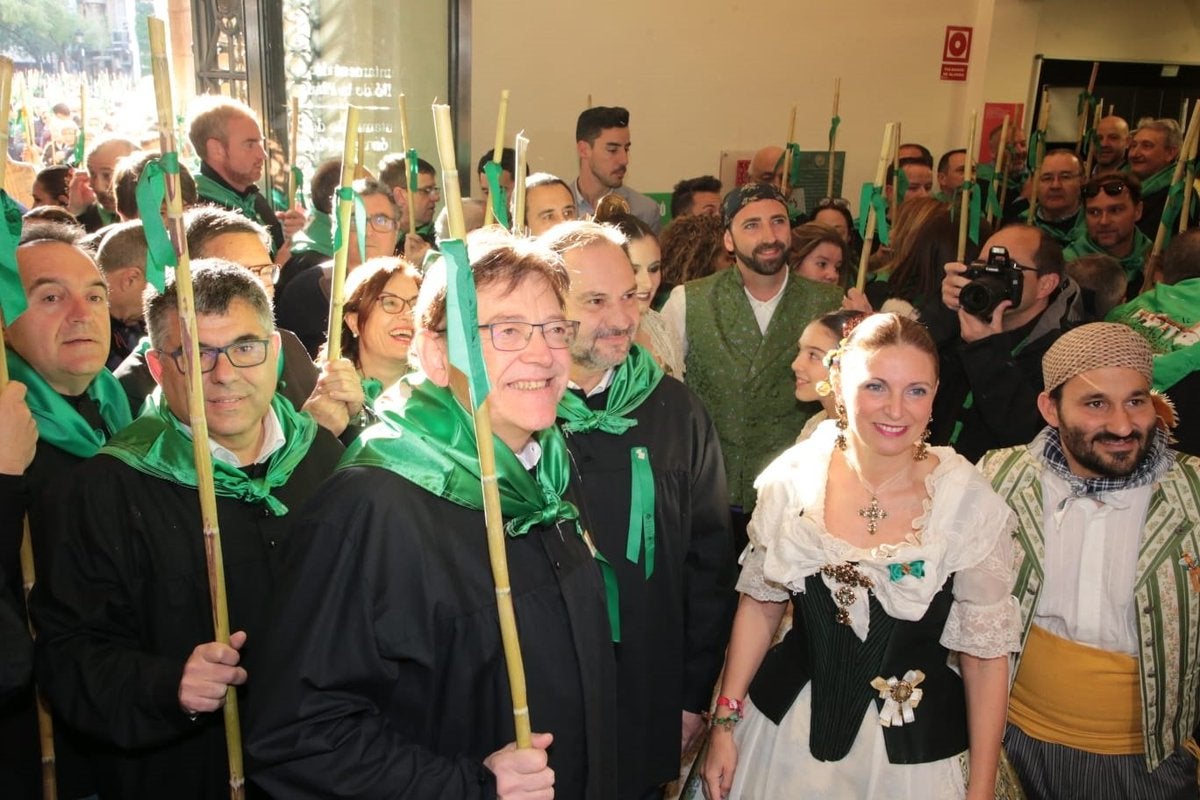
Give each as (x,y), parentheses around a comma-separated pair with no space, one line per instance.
(243,353)
(513,336)
(1112,188)
(265,272)
(395,304)
(429,191)
(1061,177)
(382,223)
(833,202)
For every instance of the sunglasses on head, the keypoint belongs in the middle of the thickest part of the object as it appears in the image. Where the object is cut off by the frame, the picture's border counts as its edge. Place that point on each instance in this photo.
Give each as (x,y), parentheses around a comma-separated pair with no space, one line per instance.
(1111,188)
(833,202)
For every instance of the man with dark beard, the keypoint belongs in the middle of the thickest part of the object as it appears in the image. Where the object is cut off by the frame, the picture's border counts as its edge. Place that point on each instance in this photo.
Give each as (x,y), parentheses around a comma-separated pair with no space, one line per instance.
(652,486)
(1108,579)
(739,329)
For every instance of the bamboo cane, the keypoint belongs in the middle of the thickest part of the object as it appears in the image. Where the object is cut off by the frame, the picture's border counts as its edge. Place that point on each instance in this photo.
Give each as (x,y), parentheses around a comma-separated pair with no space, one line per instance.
(1039,154)
(497,153)
(341,257)
(998,167)
(487,468)
(895,203)
(889,139)
(1160,238)
(405,143)
(44,723)
(82,119)
(837,94)
(965,201)
(518,220)
(1085,113)
(30,137)
(787,155)
(1189,181)
(293,151)
(1091,154)
(191,348)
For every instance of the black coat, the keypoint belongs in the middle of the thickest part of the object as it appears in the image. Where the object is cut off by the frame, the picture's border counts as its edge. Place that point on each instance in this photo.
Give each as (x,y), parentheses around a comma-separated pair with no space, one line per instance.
(384,674)
(121,602)
(675,625)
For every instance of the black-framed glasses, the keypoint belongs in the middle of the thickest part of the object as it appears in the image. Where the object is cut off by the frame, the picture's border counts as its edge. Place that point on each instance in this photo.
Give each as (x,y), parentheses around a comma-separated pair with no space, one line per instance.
(395,304)
(513,336)
(382,223)
(242,353)
(265,271)
(1112,188)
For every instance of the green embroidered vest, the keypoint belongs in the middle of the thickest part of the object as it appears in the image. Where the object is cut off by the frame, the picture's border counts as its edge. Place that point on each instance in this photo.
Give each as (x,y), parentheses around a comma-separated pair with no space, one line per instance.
(745,378)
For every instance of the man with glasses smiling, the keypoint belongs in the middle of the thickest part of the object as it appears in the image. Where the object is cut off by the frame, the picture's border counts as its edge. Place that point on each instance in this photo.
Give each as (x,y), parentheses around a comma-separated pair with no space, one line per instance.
(1113,206)
(123,611)
(394,174)
(384,674)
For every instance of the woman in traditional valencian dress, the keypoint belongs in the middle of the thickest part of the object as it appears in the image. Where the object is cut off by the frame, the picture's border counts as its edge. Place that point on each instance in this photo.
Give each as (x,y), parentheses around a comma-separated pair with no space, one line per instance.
(896,558)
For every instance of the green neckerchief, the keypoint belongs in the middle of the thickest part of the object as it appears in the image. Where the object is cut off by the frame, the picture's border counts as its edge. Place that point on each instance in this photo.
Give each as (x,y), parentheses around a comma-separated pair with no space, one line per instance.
(371,388)
(157,445)
(430,442)
(58,422)
(632,382)
(106,217)
(1159,180)
(1063,236)
(1132,263)
(317,236)
(222,195)
(1161,315)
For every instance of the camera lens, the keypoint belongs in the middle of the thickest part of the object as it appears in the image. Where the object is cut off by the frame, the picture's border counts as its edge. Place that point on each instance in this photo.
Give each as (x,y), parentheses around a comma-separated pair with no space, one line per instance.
(981,296)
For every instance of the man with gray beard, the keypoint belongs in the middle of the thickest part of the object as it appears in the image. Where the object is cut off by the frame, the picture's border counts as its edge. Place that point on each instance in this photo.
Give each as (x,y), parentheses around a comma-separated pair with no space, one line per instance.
(652,493)
(739,329)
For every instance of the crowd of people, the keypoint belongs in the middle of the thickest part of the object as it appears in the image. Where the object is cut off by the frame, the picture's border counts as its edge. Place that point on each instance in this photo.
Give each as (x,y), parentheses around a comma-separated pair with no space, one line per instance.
(932,538)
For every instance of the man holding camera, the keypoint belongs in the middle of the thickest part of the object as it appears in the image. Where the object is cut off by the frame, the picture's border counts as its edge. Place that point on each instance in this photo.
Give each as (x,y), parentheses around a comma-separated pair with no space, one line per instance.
(1011,308)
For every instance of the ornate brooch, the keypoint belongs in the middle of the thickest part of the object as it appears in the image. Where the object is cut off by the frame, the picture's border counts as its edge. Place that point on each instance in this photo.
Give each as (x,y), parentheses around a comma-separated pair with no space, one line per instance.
(848,575)
(900,697)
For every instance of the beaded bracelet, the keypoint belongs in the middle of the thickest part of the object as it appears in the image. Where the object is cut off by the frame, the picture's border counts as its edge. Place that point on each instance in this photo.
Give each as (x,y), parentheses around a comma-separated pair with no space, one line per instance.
(727,723)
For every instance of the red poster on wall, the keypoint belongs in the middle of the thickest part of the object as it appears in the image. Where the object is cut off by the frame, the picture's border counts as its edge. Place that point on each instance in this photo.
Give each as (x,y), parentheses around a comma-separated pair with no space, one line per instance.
(993,119)
(956,53)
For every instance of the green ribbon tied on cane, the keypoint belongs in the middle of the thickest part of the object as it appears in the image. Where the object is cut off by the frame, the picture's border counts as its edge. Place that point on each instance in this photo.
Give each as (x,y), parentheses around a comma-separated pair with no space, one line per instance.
(347,193)
(412,163)
(833,126)
(641,510)
(496,193)
(973,209)
(1171,208)
(1036,142)
(987,172)
(1086,100)
(794,170)
(150,192)
(12,293)
(872,197)
(298,181)
(462,320)
(899,570)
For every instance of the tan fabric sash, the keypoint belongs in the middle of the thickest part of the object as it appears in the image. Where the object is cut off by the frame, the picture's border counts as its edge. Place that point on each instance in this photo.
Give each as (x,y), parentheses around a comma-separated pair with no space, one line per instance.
(1079,696)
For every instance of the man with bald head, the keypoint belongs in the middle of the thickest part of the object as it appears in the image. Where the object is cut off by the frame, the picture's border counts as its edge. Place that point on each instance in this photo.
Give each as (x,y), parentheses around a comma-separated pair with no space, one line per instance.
(101,162)
(628,426)
(766,166)
(1059,208)
(1112,142)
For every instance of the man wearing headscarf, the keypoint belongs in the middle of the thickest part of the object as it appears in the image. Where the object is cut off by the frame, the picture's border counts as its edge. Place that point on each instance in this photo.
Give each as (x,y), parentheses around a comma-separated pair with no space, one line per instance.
(1104,700)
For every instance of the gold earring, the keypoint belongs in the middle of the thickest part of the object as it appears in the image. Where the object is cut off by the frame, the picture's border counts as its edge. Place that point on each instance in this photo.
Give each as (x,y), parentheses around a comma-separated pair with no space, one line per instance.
(921,449)
(842,425)
(823,388)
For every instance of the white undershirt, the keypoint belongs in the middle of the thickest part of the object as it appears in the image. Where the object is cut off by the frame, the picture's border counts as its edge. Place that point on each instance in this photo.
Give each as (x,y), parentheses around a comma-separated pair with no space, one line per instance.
(675,311)
(599,387)
(1092,545)
(273,439)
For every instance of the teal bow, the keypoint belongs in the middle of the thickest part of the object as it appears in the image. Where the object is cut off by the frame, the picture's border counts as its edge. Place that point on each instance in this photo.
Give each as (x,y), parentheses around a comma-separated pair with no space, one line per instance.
(973,209)
(12,292)
(360,213)
(1036,141)
(833,126)
(496,195)
(412,163)
(899,570)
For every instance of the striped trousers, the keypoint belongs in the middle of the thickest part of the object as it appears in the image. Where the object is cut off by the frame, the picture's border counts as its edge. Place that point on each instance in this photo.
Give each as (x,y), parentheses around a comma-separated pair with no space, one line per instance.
(1056,772)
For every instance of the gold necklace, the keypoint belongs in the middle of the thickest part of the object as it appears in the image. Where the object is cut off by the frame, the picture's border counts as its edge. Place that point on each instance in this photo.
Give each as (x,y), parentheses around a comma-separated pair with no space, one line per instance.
(873,512)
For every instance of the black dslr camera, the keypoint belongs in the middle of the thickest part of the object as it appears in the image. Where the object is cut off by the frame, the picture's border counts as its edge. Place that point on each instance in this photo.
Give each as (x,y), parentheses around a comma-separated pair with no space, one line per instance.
(992,282)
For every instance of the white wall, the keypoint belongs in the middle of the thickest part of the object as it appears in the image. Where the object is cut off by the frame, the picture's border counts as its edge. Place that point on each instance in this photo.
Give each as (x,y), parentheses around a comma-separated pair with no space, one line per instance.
(702,77)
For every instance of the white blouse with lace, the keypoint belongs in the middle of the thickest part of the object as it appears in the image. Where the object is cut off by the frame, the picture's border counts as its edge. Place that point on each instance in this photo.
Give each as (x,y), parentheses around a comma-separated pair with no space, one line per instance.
(964,530)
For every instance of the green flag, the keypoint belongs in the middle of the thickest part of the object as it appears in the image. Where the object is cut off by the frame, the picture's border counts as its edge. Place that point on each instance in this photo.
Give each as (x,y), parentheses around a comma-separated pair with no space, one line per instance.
(462,320)
(12,294)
